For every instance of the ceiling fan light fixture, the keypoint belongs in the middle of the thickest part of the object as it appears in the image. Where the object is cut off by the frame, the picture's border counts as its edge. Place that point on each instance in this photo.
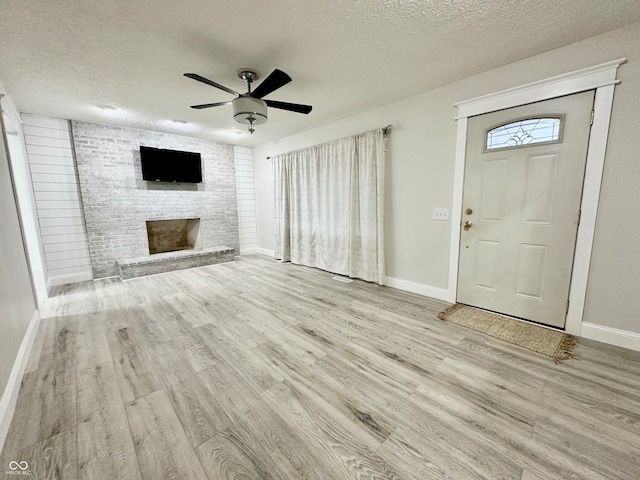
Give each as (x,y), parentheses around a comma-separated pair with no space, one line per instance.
(250,111)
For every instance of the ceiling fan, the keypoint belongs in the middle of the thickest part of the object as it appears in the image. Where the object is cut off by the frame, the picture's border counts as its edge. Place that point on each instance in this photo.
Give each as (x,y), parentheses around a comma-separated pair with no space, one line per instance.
(249,108)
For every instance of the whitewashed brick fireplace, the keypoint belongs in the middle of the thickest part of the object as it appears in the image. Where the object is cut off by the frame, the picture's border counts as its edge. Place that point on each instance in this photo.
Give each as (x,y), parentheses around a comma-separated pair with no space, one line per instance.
(118,203)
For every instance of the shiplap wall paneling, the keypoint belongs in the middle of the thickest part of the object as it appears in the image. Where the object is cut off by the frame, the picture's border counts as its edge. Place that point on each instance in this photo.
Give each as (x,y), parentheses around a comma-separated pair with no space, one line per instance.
(246,199)
(58,203)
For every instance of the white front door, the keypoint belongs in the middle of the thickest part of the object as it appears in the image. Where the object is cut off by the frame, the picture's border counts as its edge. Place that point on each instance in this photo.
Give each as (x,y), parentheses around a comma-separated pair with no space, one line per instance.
(522,190)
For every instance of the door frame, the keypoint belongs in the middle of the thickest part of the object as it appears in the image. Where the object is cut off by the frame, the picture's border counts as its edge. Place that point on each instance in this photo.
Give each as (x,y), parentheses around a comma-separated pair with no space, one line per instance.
(602,79)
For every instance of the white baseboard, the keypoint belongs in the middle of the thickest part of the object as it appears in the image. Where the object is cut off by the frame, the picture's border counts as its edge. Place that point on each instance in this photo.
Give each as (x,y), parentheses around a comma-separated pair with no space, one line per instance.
(10,396)
(70,278)
(261,251)
(420,289)
(612,336)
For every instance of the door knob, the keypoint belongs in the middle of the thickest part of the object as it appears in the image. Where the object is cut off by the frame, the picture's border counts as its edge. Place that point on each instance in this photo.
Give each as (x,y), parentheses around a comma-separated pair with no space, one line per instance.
(467,225)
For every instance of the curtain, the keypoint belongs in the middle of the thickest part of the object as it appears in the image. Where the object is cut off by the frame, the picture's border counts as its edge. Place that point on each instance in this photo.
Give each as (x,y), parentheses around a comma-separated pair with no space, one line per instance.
(329,205)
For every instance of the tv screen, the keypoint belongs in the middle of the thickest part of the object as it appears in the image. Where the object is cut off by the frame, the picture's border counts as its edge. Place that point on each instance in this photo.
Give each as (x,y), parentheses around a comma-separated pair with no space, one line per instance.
(160,165)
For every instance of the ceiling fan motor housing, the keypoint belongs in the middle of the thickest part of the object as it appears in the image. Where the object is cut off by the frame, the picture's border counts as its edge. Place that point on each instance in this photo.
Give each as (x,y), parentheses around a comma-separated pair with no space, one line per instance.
(249,110)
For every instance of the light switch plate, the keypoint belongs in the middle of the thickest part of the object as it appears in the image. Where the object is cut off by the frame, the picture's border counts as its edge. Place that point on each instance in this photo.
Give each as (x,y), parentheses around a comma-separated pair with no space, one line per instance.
(440,214)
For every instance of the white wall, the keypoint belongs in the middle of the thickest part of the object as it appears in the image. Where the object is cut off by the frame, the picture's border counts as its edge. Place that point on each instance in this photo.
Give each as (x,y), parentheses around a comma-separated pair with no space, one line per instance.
(17,301)
(58,204)
(420,174)
(25,199)
(246,199)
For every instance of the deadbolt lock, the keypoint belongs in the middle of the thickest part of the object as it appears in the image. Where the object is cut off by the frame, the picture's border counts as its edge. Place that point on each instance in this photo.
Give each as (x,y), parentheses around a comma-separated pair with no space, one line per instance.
(468,211)
(467,225)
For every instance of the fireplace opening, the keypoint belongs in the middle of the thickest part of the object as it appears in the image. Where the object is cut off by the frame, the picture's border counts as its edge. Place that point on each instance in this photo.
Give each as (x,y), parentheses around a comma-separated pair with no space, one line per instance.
(173,235)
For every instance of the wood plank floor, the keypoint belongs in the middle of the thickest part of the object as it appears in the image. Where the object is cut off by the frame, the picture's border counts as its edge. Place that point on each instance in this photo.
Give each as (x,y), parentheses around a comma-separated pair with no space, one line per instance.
(260,370)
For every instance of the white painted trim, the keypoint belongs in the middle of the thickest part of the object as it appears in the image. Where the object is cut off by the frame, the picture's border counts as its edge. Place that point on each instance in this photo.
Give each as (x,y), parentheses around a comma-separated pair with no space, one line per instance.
(248,251)
(10,395)
(25,200)
(582,80)
(589,207)
(602,78)
(456,210)
(419,288)
(10,109)
(612,336)
(69,278)
(258,250)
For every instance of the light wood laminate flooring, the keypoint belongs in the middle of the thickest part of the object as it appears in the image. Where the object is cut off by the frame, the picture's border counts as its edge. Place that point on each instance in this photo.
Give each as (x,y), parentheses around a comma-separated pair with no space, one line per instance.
(260,370)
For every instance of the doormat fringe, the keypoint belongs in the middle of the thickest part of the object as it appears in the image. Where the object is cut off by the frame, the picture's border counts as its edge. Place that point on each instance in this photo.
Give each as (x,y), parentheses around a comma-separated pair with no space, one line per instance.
(565,349)
(552,343)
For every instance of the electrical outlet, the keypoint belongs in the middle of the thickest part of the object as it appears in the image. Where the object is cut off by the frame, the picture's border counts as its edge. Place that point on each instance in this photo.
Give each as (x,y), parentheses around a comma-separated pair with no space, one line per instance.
(440,214)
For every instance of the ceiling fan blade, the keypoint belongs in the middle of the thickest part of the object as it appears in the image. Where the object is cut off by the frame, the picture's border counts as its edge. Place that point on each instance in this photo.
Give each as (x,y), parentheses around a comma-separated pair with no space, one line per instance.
(292,107)
(200,78)
(207,105)
(274,81)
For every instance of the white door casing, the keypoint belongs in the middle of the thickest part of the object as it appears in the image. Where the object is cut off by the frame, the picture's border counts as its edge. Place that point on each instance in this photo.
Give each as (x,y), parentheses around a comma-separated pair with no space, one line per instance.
(603,79)
(521,206)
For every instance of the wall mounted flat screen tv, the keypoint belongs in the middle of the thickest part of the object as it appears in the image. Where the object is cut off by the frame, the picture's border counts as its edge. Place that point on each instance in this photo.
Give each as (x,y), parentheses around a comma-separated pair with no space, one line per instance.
(160,165)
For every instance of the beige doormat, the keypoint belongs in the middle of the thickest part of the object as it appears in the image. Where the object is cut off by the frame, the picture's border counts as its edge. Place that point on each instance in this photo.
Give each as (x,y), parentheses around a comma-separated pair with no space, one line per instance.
(554,344)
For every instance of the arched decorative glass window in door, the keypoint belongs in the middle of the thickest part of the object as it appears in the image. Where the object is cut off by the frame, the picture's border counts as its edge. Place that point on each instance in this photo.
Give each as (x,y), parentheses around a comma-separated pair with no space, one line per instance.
(526,131)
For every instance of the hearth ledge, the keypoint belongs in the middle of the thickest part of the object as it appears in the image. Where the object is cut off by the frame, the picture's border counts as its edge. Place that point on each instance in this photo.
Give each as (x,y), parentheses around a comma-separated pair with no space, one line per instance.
(171,261)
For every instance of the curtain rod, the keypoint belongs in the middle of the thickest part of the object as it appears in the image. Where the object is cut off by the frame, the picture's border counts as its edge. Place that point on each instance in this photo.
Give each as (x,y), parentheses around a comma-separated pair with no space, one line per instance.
(385,131)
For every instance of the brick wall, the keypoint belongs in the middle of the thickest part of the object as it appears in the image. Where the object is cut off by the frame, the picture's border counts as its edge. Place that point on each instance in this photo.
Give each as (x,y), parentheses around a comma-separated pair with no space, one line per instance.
(117,202)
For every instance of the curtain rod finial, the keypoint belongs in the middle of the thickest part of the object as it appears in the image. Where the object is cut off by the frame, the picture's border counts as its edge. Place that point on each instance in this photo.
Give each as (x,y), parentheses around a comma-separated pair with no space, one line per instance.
(387,130)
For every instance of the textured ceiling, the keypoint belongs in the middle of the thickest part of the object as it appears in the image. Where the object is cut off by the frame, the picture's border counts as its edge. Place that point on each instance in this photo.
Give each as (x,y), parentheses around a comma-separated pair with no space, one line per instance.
(62,58)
